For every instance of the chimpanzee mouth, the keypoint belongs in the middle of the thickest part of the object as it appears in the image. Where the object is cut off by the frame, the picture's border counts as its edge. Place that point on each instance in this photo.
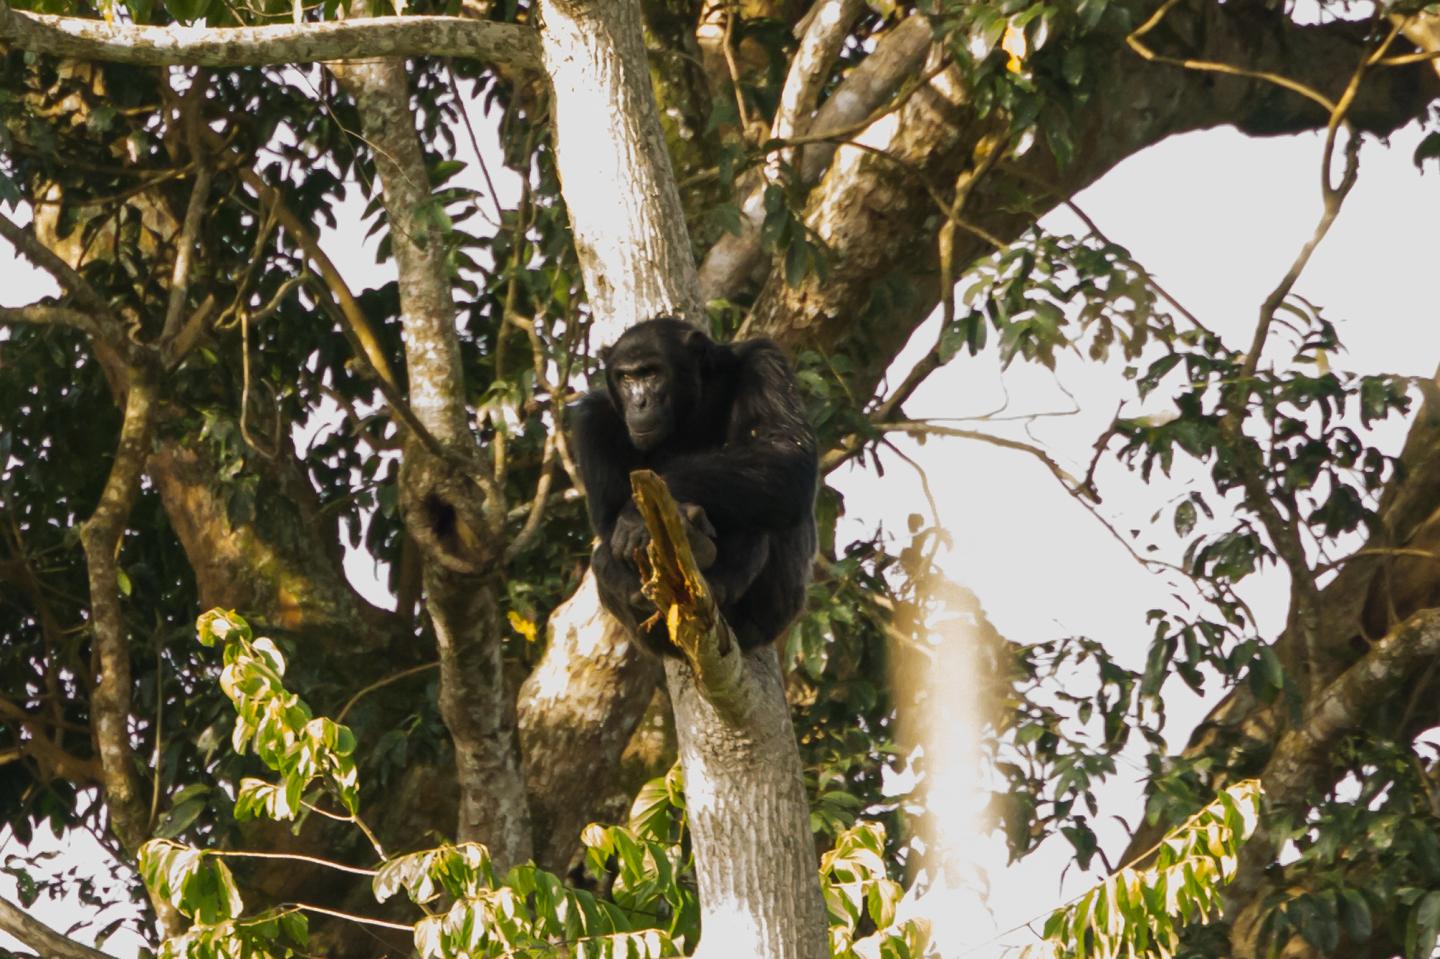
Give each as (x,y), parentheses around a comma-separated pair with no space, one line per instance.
(644,439)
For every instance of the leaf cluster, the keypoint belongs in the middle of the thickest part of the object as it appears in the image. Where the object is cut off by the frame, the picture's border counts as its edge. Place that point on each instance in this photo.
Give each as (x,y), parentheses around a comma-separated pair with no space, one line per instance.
(1140,911)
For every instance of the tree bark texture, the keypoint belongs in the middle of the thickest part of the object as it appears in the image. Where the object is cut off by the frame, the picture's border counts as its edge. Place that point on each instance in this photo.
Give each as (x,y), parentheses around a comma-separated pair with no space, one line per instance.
(86,39)
(749,816)
(100,535)
(578,709)
(614,168)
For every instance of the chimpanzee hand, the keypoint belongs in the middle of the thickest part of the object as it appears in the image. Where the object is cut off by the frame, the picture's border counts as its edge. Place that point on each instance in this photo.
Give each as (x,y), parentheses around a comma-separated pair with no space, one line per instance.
(629,535)
(700,533)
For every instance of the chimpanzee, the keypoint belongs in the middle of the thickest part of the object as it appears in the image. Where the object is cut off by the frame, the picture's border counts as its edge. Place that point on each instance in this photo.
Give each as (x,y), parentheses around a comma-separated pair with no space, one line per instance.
(725,427)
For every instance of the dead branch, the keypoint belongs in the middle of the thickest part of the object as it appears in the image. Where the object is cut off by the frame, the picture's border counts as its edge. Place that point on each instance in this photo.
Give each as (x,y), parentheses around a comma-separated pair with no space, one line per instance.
(682,596)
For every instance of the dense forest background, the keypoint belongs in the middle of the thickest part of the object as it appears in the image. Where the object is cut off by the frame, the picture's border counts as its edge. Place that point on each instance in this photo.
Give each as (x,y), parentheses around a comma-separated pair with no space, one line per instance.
(831,176)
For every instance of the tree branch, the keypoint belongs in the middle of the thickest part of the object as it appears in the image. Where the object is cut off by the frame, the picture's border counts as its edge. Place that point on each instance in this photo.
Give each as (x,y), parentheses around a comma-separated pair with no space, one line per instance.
(681,595)
(49,755)
(1423,30)
(632,245)
(1304,752)
(43,314)
(894,64)
(458,525)
(352,319)
(192,115)
(866,215)
(577,711)
(1285,528)
(100,536)
(42,256)
(1346,702)
(897,55)
(40,937)
(744,786)
(502,44)
(826,26)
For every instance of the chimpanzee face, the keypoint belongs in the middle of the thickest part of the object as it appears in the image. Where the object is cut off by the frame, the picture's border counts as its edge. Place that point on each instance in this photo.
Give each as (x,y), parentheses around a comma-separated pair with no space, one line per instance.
(652,373)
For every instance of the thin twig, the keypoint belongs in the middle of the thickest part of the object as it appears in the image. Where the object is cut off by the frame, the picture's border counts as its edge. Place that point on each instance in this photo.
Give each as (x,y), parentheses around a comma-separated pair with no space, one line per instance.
(531,529)
(923,428)
(987,151)
(292,857)
(725,44)
(158,752)
(358,328)
(352,917)
(1210,66)
(381,684)
(475,142)
(1284,530)
(192,111)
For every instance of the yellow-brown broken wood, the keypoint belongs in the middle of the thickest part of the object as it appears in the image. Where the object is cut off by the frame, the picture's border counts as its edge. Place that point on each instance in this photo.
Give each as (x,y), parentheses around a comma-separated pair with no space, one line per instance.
(674,582)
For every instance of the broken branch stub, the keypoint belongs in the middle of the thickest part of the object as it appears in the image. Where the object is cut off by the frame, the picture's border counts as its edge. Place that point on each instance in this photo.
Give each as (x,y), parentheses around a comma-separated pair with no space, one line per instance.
(675,584)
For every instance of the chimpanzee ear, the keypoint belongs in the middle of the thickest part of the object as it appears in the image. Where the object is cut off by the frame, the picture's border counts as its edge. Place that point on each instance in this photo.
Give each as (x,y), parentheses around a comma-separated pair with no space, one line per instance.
(697,344)
(604,357)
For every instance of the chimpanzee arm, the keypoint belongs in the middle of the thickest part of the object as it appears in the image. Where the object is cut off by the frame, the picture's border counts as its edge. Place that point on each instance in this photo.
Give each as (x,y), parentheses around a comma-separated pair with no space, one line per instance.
(605,458)
(765,474)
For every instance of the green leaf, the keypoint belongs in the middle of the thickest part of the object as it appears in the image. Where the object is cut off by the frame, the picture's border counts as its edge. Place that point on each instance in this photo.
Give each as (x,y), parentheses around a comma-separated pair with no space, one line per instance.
(797,263)
(1355,914)
(1428,149)
(1185,518)
(1424,927)
(1137,913)
(1072,66)
(180,817)
(1271,671)
(296,927)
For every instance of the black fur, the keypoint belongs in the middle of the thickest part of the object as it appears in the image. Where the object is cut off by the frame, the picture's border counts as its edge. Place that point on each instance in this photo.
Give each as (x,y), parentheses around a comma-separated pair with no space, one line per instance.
(735,443)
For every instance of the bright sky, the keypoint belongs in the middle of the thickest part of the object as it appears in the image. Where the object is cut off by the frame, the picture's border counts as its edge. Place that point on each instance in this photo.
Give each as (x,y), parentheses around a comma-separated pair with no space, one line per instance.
(1217,218)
